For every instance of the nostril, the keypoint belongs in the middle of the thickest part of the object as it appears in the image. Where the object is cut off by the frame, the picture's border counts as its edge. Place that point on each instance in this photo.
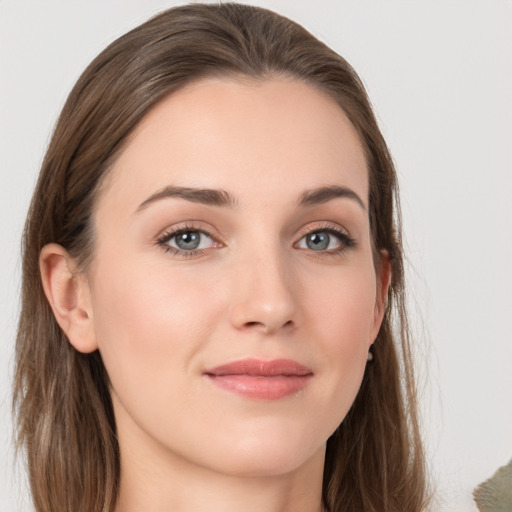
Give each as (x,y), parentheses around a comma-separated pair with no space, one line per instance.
(265,327)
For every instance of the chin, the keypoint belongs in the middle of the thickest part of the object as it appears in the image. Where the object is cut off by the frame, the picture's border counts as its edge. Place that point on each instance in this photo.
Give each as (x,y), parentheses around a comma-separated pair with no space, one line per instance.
(267,454)
(263,464)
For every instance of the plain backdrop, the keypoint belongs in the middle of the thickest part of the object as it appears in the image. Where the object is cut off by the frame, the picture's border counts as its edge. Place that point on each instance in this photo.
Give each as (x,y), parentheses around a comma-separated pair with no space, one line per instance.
(440,76)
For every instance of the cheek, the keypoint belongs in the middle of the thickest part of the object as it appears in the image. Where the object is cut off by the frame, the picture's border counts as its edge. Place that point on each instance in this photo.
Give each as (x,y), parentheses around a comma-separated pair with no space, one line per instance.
(344,307)
(149,323)
(343,319)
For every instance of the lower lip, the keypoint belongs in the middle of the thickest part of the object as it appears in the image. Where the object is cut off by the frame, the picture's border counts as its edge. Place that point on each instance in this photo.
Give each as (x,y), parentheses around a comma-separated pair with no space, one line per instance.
(261,387)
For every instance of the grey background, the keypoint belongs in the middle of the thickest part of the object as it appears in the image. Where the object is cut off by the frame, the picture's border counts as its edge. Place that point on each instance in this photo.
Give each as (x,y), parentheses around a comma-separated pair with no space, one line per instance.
(440,77)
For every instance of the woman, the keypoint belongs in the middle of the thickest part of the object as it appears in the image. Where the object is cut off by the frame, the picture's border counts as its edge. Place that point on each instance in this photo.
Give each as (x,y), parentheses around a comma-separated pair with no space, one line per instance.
(212,263)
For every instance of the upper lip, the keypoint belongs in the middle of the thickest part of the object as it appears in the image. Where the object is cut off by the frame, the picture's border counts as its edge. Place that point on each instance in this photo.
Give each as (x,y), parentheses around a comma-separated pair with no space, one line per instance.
(259,368)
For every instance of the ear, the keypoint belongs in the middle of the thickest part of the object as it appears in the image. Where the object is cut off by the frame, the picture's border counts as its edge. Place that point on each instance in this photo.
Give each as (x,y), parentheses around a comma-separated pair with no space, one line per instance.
(383,273)
(69,297)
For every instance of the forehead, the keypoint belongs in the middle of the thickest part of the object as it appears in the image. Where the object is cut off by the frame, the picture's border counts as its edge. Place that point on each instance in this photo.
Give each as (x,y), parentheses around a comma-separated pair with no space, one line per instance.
(262,138)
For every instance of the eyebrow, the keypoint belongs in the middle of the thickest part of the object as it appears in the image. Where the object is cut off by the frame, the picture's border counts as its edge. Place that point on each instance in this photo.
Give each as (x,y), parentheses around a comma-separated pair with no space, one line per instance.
(206,196)
(215,197)
(322,195)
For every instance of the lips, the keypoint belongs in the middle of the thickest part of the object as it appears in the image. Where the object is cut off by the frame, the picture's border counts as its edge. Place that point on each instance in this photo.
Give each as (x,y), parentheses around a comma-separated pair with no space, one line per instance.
(266,380)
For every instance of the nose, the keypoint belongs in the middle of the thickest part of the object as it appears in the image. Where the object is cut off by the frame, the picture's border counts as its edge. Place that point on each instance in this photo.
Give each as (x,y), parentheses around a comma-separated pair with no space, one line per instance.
(264,298)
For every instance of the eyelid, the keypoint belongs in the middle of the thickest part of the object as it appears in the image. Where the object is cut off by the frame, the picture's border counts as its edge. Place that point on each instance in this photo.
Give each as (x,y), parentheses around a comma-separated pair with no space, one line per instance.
(163,238)
(329,226)
(188,225)
(313,227)
(346,240)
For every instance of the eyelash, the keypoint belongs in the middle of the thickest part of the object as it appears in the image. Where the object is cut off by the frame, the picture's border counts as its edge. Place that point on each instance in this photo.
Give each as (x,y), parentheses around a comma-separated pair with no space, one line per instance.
(163,240)
(346,241)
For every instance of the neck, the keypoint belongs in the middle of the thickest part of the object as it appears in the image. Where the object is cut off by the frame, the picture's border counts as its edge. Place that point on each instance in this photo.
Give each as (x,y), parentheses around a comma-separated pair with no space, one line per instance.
(155,480)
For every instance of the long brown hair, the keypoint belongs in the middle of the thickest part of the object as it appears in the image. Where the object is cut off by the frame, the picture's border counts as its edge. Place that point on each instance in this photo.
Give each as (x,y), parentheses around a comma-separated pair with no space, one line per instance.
(64,413)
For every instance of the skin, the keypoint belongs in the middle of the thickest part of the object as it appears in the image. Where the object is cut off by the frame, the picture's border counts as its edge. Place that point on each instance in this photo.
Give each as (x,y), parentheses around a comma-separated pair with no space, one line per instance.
(257,288)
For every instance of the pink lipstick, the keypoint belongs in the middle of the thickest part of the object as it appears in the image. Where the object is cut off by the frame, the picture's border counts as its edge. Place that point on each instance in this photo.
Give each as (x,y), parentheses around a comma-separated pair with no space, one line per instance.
(264,380)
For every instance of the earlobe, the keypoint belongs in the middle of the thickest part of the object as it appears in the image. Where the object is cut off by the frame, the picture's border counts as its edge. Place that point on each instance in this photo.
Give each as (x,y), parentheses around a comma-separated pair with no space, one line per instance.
(69,297)
(383,272)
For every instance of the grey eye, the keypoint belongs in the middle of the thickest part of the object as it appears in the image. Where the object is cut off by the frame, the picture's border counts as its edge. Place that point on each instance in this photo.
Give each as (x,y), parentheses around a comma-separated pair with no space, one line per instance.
(188,241)
(318,241)
(323,240)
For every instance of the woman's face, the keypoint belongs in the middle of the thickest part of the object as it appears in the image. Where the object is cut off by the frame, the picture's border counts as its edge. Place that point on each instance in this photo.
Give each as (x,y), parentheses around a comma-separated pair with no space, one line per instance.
(233,293)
